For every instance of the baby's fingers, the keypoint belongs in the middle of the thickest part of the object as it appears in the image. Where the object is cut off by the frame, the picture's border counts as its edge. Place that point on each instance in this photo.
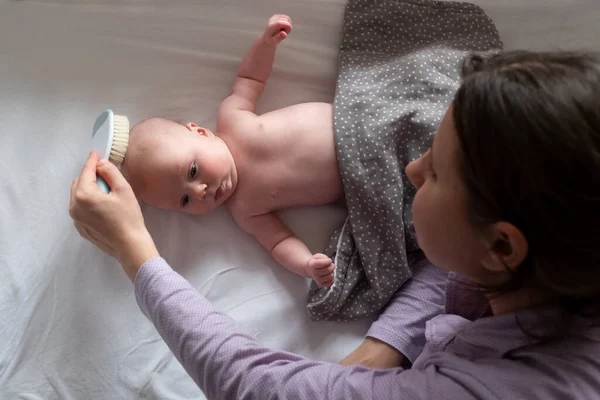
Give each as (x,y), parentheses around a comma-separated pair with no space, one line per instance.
(280,18)
(325,281)
(283,25)
(277,35)
(278,24)
(322,272)
(324,263)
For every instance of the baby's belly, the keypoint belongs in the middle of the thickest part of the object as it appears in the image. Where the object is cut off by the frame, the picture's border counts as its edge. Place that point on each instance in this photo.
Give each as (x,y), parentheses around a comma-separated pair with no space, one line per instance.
(301,166)
(305,188)
(257,201)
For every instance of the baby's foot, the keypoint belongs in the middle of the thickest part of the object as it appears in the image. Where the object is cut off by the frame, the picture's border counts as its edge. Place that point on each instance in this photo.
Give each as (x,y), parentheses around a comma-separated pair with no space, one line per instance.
(278,27)
(320,268)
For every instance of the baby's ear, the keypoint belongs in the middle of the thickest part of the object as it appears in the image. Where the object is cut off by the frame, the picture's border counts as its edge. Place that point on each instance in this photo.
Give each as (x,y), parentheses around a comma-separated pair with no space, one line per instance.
(193,127)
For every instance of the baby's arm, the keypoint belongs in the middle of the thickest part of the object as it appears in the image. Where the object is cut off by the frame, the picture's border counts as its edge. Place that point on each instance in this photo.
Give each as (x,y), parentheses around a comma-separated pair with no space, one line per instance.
(287,249)
(255,69)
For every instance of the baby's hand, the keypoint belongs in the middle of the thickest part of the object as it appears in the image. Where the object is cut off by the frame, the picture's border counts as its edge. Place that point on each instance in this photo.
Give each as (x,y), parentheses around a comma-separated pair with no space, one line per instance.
(278,27)
(320,268)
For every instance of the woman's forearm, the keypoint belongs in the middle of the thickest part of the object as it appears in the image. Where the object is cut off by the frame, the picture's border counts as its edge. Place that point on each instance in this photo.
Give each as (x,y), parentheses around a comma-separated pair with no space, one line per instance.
(227,364)
(139,249)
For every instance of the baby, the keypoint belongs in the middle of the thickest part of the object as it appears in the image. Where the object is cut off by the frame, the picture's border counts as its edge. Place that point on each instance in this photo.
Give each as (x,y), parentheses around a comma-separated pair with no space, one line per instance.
(255,164)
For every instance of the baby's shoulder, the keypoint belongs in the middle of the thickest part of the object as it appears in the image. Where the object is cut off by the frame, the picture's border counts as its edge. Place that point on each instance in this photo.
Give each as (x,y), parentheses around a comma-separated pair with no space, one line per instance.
(247,201)
(240,205)
(239,122)
(246,138)
(240,210)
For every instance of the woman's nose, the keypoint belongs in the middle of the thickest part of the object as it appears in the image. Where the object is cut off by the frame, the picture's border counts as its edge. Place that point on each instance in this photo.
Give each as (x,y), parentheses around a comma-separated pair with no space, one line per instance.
(413,172)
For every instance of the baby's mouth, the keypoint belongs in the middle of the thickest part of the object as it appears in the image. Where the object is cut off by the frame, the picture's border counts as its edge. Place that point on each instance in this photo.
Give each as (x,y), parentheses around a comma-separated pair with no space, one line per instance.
(219,193)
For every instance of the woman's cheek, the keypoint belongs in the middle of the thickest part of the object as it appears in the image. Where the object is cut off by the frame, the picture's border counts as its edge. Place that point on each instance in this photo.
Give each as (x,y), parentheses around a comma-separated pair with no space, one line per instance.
(427,223)
(418,213)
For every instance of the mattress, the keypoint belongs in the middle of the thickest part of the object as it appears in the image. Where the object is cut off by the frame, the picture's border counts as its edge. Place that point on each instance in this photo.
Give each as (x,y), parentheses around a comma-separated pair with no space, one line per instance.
(71,328)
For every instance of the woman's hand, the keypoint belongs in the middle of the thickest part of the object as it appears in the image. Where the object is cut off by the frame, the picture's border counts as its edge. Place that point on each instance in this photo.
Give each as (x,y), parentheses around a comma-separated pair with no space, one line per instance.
(373,353)
(114,221)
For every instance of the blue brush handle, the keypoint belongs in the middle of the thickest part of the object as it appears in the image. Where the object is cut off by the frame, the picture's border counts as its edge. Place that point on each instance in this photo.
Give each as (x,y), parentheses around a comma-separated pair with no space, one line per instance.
(102,185)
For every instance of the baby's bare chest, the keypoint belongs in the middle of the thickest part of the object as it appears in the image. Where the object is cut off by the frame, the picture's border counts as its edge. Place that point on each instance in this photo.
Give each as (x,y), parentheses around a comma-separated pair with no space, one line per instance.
(272,187)
(290,161)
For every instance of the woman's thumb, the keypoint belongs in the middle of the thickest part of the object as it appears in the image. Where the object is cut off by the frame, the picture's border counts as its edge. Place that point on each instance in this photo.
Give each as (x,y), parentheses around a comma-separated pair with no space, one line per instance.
(111,174)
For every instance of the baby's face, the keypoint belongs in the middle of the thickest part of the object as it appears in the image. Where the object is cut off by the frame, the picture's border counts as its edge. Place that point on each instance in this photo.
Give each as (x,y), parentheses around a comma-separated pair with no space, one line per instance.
(179,167)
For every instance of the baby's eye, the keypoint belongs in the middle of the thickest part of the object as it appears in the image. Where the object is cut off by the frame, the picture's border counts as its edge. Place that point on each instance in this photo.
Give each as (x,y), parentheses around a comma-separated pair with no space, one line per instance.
(193,170)
(185,200)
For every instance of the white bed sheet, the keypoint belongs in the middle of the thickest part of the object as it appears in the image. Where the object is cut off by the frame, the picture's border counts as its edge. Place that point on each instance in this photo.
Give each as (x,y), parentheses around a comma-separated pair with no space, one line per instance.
(70,327)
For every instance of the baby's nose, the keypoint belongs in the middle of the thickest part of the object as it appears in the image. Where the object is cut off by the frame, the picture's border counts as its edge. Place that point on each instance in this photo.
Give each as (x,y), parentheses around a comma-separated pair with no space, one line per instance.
(200,191)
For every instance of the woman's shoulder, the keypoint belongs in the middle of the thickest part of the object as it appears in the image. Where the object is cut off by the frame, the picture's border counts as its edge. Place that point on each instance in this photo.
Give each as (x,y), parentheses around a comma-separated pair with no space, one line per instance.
(497,356)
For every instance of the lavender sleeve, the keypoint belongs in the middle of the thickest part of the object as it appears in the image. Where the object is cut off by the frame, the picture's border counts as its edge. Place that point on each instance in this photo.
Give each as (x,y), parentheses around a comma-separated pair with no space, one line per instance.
(227,364)
(402,323)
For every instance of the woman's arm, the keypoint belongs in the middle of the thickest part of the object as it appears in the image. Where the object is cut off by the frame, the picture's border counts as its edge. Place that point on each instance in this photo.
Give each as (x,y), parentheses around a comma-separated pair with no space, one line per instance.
(400,330)
(227,364)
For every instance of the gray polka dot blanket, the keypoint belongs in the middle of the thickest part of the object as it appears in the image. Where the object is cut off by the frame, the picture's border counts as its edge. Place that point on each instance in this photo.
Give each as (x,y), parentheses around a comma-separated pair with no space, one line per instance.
(398,70)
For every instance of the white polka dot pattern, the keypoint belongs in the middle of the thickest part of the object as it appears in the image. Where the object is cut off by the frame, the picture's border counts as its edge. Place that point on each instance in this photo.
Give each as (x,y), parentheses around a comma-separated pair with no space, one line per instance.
(398,72)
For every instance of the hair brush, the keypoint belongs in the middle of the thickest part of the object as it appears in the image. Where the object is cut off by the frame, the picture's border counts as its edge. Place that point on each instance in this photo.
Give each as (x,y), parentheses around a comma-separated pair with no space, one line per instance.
(110,138)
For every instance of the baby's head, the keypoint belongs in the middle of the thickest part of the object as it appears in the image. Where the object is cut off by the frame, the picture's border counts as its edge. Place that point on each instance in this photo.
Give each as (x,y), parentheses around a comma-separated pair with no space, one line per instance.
(179,167)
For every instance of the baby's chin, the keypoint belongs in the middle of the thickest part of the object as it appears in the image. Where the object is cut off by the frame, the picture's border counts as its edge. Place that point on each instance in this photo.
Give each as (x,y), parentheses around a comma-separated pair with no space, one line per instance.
(160,204)
(196,212)
(199,211)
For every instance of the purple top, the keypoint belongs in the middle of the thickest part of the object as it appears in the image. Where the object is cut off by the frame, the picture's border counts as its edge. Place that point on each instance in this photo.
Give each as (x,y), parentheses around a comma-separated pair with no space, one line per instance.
(486,359)
(402,323)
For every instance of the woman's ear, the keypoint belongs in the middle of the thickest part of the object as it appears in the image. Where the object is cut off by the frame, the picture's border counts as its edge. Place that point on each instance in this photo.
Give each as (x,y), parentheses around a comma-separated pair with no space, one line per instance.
(508,248)
(193,127)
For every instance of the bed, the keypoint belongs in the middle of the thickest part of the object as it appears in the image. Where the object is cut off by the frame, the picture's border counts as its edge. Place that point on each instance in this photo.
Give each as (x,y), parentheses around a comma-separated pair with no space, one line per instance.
(71,328)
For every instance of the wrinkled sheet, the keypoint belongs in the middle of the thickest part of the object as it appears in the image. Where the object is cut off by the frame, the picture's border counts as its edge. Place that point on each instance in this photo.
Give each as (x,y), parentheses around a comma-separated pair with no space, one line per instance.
(70,326)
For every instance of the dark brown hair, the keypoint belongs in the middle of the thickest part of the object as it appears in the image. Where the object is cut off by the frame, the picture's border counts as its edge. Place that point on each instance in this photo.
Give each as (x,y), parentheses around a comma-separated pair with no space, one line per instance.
(529,133)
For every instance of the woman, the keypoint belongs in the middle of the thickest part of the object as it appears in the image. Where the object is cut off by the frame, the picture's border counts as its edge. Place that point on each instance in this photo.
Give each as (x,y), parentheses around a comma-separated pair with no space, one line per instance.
(507,196)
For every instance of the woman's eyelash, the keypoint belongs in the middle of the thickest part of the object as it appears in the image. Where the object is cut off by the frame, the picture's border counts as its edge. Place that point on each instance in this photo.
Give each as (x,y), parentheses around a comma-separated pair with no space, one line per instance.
(430,167)
(193,171)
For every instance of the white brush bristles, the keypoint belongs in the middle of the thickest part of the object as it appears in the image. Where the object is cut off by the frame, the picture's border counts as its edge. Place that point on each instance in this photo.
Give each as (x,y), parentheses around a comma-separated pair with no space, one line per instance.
(120,141)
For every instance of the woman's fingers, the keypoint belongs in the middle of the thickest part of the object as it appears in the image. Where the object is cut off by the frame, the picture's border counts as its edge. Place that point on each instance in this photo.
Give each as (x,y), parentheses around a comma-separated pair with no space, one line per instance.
(82,187)
(114,223)
(72,196)
(82,231)
(111,174)
(93,237)
(88,172)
